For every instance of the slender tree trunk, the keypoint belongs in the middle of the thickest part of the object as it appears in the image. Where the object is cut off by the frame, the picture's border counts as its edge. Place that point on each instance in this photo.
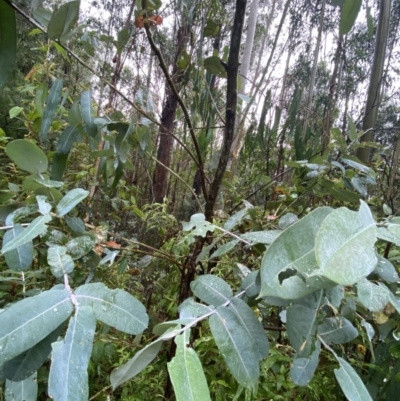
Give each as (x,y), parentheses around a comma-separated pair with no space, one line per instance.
(393,173)
(160,178)
(375,83)
(326,135)
(314,71)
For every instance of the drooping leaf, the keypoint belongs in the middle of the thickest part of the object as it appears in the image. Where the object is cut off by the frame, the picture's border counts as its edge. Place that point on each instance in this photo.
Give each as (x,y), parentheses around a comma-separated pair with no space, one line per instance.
(117,308)
(211,29)
(25,364)
(63,20)
(8,41)
(87,113)
(135,365)
(350,382)
(200,225)
(236,218)
(123,37)
(58,164)
(186,372)
(29,321)
(42,15)
(20,258)
(67,138)
(36,228)
(386,271)
(348,15)
(235,346)
(211,289)
(26,390)
(337,331)
(344,245)
(53,101)
(374,297)
(302,370)
(75,224)
(60,263)
(261,237)
(292,250)
(252,284)
(70,200)
(225,248)
(68,379)
(301,325)
(27,156)
(252,325)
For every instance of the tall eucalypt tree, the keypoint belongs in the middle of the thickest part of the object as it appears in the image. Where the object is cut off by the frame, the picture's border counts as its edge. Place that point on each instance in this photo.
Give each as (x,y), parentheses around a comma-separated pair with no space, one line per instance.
(328,272)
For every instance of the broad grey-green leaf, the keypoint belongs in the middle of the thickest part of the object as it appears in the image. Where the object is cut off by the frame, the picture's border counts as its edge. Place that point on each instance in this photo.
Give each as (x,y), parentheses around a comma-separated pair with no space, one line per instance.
(287,220)
(68,379)
(236,346)
(214,65)
(80,246)
(58,260)
(350,382)
(186,373)
(42,15)
(25,364)
(135,365)
(63,20)
(26,390)
(19,258)
(43,206)
(36,228)
(70,200)
(344,245)
(67,138)
(236,218)
(369,329)
(200,225)
(117,308)
(27,156)
(386,271)
(337,330)
(374,297)
(388,236)
(8,41)
(301,326)
(75,224)
(87,113)
(261,237)
(348,15)
(252,284)
(303,369)
(292,250)
(225,248)
(29,321)
(211,289)
(48,183)
(252,325)
(53,101)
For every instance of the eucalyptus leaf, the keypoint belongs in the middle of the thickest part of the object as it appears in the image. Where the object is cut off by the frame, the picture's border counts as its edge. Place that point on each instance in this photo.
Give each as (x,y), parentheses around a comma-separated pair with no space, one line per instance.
(211,289)
(186,372)
(70,200)
(60,263)
(348,15)
(53,101)
(302,369)
(30,320)
(27,156)
(337,331)
(8,42)
(68,379)
(63,20)
(26,390)
(20,258)
(87,113)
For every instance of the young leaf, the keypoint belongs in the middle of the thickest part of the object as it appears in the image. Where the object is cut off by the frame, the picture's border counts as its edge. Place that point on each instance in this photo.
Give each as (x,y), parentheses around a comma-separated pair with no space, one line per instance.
(20,258)
(252,325)
(60,263)
(58,164)
(117,308)
(26,389)
(348,16)
(236,346)
(186,372)
(8,41)
(87,113)
(302,370)
(344,245)
(211,289)
(70,200)
(386,271)
(235,219)
(135,365)
(52,104)
(27,156)
(374,297)
(63,20)
(350,382)
(80,246)
(293,249)
(36,228)
(68,379)
(25,364)
(27,322)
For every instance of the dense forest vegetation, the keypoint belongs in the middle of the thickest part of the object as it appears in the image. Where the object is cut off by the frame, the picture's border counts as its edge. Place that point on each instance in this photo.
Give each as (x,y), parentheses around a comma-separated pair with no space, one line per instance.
(199,200)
